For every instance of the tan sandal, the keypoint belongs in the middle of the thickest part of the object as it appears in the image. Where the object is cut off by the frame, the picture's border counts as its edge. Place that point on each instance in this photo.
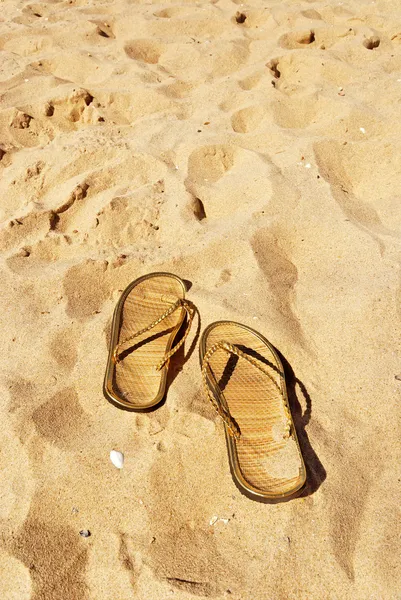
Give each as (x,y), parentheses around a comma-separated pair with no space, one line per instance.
(146,320)
(244,380)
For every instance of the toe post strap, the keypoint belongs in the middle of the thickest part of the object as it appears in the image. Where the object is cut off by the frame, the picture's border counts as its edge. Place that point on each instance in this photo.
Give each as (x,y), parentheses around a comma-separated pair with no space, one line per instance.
(179,303)
(223,412)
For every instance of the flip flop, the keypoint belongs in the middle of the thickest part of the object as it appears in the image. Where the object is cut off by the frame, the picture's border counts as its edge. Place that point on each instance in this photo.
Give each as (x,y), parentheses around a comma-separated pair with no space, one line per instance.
(147,318)
(244,380)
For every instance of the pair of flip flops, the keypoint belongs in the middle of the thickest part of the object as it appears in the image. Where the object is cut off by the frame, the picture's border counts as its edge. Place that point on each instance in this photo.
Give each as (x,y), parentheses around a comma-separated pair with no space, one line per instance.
(242,375)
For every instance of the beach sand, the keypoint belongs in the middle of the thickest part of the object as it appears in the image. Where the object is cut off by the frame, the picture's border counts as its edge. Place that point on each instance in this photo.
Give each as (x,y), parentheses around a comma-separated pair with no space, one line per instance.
(253,150)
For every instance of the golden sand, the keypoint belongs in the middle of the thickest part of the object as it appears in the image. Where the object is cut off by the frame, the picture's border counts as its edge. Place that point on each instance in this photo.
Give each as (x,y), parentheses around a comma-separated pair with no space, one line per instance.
(254,150)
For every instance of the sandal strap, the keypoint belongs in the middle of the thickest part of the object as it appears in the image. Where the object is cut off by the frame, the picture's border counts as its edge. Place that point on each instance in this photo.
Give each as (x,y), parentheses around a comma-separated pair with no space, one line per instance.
(190,316)
(180,303)
(223,412)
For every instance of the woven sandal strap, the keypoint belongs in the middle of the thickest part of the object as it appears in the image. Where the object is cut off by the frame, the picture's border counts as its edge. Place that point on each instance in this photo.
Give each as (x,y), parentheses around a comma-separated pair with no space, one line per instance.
(224,413)
(190,316)
(180,303)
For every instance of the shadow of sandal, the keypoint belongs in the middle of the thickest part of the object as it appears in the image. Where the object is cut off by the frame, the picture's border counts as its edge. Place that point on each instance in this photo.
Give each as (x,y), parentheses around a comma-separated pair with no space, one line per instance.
(315,471)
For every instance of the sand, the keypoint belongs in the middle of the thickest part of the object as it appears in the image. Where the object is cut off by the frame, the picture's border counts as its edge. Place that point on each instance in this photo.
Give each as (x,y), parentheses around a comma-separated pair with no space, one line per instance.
(253,150)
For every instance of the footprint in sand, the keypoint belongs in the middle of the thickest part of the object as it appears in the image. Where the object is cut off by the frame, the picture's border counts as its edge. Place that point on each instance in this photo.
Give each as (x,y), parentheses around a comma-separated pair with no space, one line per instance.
(220,182)
(210,163)
(61,195)
(347,169)
(24,129)
(206,60)
(206,164)
(179,89)
(53,552)
(29,43)
(298,110)
(74,106)
(83,69)
(86,288)
(26,230)
(281,274)
(187,21)
(61,420)
(63,347)
(130,217)
(34,258)
(147,51)
(73,191)
(248,119)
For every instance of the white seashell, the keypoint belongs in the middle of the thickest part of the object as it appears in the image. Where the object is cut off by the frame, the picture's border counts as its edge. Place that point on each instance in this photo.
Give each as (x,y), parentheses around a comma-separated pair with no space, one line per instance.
(216,519)
(117,458)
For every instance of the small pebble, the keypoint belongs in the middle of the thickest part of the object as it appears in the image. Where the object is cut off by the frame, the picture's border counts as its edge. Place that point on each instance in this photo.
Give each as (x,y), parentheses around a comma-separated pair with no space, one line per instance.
(85,533)
(362,129)
(398,377)
(117,458)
